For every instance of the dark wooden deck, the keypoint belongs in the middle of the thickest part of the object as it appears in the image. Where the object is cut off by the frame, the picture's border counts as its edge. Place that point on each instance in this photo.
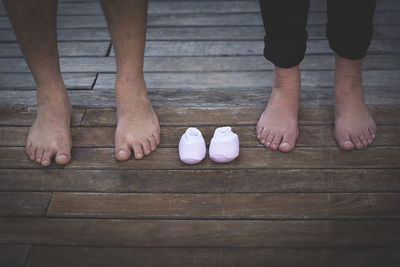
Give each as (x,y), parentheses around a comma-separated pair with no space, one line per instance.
(315,206)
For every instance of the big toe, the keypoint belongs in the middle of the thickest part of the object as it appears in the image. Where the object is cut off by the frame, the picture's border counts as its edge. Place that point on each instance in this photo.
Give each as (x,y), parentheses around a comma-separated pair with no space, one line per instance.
(287,143)
(344,142)
(63,155)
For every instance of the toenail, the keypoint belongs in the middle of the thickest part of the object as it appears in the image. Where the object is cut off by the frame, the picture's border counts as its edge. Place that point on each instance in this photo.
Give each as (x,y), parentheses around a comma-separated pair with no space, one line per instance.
(44,162)
(285,144)
(347,142)
(121,153)
(62,157)
(139,155)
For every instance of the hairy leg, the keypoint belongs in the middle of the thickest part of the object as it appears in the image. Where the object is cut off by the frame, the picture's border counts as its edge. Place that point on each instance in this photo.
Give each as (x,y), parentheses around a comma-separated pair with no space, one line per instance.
(34,23)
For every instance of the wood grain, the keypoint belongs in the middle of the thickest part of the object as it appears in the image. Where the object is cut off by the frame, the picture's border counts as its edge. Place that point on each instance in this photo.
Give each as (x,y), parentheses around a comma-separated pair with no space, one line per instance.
(310,136)
(196,257)
(201,233)
(23,203)
(226,206)
(14,255)
(203,181)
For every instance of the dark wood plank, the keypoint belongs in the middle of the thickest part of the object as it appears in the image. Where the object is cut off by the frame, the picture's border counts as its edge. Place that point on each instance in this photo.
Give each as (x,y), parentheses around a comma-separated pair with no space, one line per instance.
(202,181)
(24,81)
(321,115)
(310,136)
(64,48)
(23,203)
(196,257)
(195,64)
(167,158)
(201,233)
(14,255)
(226,206)
(25,117)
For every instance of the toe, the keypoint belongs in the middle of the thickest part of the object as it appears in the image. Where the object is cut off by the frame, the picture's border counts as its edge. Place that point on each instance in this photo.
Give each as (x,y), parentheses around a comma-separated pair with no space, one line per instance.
(344,141)
(363,140)
(122,153)
(153,143)
(63,155)
(368,137)
(372,131)
(47,154)
(157,138)
(146,147)
(264,135)
(288,143)
(357,142)
(137,150)
(269,139)
(39,154)
(277,140)
(259,130)
(32,153)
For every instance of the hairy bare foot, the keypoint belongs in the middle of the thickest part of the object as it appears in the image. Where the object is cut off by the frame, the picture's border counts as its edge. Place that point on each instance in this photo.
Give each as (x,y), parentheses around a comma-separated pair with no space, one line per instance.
(50,133)
(138,128)
(354,125)
(277,126)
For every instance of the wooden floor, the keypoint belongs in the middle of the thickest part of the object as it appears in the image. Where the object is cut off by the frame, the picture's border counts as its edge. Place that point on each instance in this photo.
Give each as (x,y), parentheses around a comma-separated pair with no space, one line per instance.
(315,206)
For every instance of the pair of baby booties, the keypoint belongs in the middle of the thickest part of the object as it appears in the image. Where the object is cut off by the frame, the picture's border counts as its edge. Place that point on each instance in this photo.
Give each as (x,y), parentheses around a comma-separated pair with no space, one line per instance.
(224,146)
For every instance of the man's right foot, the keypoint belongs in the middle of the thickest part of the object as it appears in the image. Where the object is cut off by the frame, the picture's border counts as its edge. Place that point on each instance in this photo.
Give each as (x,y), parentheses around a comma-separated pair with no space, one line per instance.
(277,126)
(50,133)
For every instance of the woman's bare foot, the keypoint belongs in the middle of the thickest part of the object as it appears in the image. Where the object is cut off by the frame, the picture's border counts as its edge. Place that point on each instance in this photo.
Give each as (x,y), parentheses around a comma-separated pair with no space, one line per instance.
(277,126)
(50,133)
(354,125)
(138,128)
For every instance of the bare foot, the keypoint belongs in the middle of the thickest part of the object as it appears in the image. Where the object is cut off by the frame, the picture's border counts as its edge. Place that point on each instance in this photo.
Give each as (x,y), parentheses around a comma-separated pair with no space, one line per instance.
(138,128)
(50,133)
(277,126)
(354,125)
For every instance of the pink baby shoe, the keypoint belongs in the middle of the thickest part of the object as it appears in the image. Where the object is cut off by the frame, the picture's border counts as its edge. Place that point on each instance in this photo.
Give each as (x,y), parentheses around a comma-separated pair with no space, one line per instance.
(224,146)
(192,148)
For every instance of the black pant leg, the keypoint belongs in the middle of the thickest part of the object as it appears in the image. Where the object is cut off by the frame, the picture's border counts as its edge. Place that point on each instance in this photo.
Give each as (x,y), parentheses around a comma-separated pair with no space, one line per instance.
(285,24)
(349,28)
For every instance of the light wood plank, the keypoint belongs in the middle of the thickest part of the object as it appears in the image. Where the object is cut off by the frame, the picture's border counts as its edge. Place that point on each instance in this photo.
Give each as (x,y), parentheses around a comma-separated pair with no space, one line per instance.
(226,206)
(24,81)
(195,64)
(190,7)
(208,98)
(24,203)
(196,257)
(201,233)
(64,48)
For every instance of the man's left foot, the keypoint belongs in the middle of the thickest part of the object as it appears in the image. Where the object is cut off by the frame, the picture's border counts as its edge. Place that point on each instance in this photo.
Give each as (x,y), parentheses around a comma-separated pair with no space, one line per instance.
(138,128)
(354,125)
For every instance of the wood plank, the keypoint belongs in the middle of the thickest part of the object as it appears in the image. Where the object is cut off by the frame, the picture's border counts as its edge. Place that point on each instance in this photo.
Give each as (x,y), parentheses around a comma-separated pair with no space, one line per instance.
(64,48)
(190,7)
(226,206)
(203,181)
(24,203)
(247,48)
(201,233)
(321,115)
(196,257)
(388,79)
(255,158)
(316,29)
(195,64)
(24,81)
(14,255)
(223,98)
(25,117)
(310,136)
